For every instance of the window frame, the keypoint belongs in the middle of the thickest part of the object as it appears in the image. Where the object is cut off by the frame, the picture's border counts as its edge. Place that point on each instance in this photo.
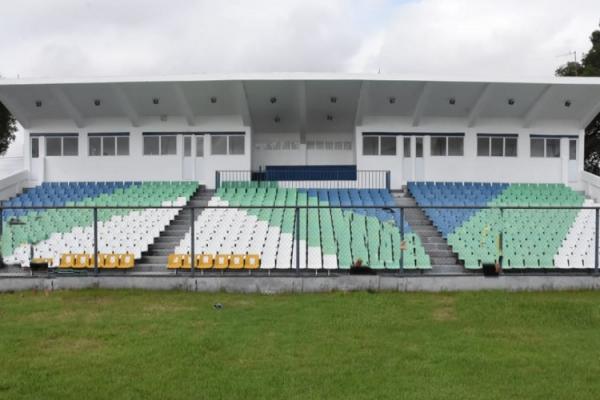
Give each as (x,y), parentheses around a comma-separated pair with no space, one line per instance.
(495,138)
(61,140)
(545,144)
(160,144)
(104,137)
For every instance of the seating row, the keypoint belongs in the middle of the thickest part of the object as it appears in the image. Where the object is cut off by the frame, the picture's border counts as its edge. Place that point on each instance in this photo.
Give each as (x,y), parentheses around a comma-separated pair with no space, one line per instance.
(218,261)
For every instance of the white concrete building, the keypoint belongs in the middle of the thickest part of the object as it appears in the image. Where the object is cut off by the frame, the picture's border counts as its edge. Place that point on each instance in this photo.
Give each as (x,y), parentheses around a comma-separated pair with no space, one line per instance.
(187,128)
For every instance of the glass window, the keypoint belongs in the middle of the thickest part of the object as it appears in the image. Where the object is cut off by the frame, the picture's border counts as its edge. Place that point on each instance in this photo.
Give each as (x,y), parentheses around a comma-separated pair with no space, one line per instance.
(70,145)
(320,145)
(151,145)
(419,147)
(537,147)
(35,147)
(483,146)
(572,149)
(218,145)
(497,147)
(553,148)
(108,146)
(406,146)
(168,145)
(329,145)
(199,146)
(123,145)
(338,146)
(510,147)
(95,146)
(236,144)
(456,146)
(53,146)
(438,145)
(388,145)
(370,145)
(187,146)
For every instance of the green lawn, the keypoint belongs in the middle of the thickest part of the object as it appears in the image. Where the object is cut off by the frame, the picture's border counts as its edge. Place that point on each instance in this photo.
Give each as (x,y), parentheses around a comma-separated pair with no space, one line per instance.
(171,345)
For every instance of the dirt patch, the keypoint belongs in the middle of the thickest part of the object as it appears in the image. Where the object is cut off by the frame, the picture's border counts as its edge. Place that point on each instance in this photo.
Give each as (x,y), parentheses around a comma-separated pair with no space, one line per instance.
(445,309)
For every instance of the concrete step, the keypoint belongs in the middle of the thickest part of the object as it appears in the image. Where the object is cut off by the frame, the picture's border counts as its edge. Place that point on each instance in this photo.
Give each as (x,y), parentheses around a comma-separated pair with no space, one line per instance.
(443,261)
(439,253)
(162,259)
(436,247)
(447,269)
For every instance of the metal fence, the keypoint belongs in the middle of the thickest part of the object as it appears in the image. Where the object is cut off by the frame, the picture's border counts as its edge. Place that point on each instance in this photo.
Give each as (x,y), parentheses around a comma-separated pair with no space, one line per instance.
(313,179)
(499,229)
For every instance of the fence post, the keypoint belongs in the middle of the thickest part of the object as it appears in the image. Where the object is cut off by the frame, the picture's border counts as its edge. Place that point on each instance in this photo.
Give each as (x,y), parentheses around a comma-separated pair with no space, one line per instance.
(501,239)
(596,243)
(193,241)
(387,180)
(217,179)
(95,214)
(402,240)
(297,211)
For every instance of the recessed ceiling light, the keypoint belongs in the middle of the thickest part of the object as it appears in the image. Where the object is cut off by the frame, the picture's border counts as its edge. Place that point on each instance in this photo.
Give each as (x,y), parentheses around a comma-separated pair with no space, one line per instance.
(97,102)
(333,99)
(452,101)
(568,103)
(273,100)
(392,100)
(511,102)
(329,117)
(38,103)
(155,100)
(213,99)
(277,119)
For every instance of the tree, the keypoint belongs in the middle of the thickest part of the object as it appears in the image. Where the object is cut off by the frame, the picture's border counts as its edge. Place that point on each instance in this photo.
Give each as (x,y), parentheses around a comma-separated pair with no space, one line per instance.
(8,127)
(589,66)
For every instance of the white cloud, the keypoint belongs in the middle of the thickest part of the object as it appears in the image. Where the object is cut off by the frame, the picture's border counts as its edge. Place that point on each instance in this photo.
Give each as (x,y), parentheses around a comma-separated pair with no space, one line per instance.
(428,37)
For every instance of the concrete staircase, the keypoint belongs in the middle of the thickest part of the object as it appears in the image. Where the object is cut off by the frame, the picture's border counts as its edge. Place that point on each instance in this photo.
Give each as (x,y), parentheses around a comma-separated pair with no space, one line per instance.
(443,260)
(155,259)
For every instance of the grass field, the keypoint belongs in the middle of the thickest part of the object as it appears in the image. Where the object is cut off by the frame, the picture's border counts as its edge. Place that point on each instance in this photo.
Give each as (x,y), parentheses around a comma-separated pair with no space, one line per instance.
(175,345)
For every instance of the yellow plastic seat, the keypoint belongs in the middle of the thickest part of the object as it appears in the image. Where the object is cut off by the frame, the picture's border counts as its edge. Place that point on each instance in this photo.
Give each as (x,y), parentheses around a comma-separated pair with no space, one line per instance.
(127,261)
(236,261)
(111,261)
(187,262)
(204,261)
(82,261)
(252,261)
(174,261)
(41,260)
(67,261)
(221,261)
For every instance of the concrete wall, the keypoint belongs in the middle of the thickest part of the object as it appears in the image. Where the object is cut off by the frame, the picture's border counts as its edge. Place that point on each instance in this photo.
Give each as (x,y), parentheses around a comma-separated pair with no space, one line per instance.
(272,285)
(470,167)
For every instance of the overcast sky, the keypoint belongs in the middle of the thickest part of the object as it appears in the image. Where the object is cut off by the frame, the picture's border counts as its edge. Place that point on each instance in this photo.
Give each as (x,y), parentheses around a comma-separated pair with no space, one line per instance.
(437,38)
(491,38)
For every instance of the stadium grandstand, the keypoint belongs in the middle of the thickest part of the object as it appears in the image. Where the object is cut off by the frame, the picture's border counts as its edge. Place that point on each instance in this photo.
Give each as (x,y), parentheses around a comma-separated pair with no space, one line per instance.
(300,173)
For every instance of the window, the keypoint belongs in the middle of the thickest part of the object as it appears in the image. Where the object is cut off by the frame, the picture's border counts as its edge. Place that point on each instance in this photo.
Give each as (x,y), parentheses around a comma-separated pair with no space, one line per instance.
(455,146)
(168,145)
(483,146)
(53,146)
(496,146)
(447,145)
(438,145)
(406,146)
(388,145)
(419,147)
(108,145)
(160,145)
(199,146)
(218,145)
(370,145)
(545,147)
(379,145)
(187,146)
(95,146)
(151,145)
(572,149)
(236,144)
(62,146)
(123,145)
(35,147)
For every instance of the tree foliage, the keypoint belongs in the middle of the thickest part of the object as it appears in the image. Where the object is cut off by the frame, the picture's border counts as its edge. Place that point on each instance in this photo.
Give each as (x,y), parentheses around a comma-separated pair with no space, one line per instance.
(589,66)
(8,127)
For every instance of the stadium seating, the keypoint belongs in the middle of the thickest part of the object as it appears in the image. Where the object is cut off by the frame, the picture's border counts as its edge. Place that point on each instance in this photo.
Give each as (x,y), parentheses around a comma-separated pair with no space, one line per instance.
(50,233)
(330,238)
(530,238)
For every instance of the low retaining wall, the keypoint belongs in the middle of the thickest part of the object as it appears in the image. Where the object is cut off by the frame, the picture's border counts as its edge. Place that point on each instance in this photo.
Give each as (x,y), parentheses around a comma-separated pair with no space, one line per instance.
(272,285)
